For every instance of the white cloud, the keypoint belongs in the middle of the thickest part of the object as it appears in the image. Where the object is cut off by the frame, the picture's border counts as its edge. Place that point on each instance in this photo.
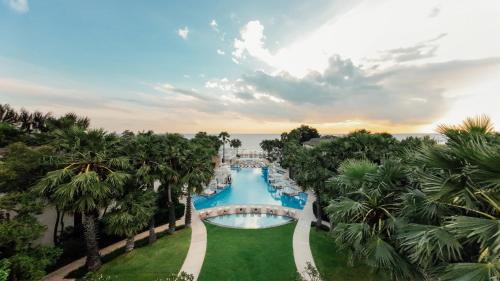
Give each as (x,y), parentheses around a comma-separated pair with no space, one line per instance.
(183,32)
(179,92)
(392,24)
(20,6)
(220,52)
(214,25)
(251,41)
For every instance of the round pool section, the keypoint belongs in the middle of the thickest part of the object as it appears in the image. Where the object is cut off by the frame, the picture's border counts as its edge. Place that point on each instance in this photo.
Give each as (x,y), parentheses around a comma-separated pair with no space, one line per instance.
(249,221)
(250,186)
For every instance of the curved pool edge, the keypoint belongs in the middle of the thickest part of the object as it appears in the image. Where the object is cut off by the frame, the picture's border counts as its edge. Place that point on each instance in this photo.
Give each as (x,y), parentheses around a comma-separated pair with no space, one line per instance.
(256,209)
(290,220)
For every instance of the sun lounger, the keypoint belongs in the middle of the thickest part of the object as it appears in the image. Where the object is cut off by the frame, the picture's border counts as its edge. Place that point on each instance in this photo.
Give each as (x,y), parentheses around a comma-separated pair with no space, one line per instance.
(240,210)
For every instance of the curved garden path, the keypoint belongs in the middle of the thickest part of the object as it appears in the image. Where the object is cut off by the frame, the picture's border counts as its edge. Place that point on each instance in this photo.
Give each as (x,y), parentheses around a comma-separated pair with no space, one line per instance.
(301,249)
(196,253)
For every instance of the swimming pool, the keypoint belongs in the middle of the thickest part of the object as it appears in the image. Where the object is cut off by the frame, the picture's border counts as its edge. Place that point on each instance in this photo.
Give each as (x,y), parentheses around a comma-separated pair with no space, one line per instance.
(250,186)
(252,221)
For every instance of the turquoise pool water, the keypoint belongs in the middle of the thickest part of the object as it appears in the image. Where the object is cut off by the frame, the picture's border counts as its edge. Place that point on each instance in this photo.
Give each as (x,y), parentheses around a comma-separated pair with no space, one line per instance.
(249,220)
(250,186)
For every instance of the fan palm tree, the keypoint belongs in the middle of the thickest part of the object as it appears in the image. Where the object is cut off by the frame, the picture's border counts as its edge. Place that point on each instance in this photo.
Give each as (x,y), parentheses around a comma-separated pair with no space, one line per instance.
(25,120)
(88,181)
(463,178)
(130,215)
(224,137)
(40,121)
(174,147)
(7,114)
(235,143)
(365,215)
(67,121)
(197,171)
(145,152)
(312,174)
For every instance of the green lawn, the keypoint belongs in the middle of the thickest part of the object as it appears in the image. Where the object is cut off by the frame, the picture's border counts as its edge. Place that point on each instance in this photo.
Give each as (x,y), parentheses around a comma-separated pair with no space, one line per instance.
(332,264)
(146,263)
(249,254)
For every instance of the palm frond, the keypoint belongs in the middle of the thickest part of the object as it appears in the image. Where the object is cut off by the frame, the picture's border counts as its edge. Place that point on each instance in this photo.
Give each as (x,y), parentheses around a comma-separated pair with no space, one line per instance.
(471,272)
(485,232)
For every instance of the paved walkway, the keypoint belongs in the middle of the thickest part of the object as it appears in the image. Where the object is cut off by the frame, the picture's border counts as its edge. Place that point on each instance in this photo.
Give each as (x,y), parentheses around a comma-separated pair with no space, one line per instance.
(301,249)
(196,253)
(60,273)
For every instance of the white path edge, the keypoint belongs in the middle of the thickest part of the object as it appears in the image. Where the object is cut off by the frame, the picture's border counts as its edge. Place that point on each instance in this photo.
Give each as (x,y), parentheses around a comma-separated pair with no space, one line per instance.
(301,250)
(198,247)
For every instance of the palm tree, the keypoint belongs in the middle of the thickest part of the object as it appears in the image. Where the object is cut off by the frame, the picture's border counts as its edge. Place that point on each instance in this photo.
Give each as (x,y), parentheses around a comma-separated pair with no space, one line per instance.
(40,121)
(365,215)
(146,155)
(7,114)
(69,136)
(463,179)
(224,137)
(235,143)
(88,181)
(25,120)
(130,215)
(174,147)
(197,171)
(312,174)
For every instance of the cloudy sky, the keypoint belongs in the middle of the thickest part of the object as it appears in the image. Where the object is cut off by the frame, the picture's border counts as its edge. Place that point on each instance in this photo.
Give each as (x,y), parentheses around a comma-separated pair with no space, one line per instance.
(253,66)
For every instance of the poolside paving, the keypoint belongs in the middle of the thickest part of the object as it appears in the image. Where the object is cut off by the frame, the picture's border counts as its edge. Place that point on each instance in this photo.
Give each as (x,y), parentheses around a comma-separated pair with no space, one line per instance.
(198,247)
(301,249)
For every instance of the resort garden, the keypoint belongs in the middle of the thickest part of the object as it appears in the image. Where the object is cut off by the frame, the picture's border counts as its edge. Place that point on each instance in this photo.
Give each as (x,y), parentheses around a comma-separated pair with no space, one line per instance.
(386,209)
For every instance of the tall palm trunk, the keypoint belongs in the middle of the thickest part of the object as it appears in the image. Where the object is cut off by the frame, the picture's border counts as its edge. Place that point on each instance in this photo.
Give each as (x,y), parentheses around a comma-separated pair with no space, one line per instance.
(171,210)
(319,214)
(93,262)
(223,151)
(77,223)
(55,237)
(129,246)
(187,219)
(61,229)
(152,232)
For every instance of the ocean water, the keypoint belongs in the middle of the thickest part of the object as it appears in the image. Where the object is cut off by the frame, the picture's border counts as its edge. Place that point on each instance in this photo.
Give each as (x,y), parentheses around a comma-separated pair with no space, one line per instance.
(251,142)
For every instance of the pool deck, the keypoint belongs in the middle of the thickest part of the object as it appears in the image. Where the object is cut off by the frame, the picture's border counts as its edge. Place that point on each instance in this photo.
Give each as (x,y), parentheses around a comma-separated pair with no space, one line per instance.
(250,209)
(198,247)
(301,250)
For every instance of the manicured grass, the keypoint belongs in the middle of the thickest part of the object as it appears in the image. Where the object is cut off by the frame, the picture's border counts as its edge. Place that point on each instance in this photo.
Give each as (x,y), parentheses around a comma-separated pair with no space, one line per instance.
(332,263)
(249,254)
(146,263)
